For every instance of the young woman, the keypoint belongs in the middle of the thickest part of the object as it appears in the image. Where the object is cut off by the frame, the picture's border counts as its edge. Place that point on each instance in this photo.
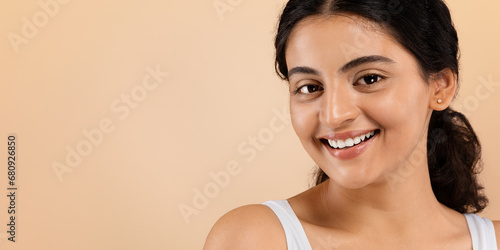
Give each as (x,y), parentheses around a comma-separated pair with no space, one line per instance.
(371,82)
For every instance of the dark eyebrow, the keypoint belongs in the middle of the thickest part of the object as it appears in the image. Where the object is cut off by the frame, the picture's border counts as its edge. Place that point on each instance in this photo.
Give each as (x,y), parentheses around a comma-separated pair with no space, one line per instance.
(303,70)
(364,59)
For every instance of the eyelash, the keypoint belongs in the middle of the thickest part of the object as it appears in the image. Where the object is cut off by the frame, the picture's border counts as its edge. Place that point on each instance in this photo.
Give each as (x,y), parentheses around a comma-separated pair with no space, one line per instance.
(297,91)
(379,78)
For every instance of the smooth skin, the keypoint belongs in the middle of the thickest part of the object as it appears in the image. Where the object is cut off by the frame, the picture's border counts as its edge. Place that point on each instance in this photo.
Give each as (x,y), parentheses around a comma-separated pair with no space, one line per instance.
(347,74)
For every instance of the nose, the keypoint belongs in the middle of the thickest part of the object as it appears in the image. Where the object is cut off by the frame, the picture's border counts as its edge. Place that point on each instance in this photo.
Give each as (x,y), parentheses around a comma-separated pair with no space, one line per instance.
(338,107)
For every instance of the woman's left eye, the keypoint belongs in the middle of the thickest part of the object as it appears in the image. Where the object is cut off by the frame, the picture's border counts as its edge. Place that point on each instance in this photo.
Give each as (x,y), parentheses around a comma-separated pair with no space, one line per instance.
(369,79)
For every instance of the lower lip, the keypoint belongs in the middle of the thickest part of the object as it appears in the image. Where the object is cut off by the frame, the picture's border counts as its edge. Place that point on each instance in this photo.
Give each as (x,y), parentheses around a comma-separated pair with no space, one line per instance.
(352,152)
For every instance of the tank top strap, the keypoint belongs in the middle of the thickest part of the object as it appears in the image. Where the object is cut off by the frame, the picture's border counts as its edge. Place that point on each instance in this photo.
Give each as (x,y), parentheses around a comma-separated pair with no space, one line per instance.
(296,238)
(482,232)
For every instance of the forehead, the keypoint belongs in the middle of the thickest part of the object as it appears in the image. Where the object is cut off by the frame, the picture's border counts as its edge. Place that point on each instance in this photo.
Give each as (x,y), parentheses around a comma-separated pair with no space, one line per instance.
(337,39)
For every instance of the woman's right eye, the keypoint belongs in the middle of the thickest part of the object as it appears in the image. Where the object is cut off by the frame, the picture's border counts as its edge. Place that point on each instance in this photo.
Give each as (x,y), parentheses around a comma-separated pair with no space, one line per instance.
(308,89)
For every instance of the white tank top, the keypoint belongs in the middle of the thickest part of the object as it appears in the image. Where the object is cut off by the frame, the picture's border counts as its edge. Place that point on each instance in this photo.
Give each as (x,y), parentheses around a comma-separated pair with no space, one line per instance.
(481,230)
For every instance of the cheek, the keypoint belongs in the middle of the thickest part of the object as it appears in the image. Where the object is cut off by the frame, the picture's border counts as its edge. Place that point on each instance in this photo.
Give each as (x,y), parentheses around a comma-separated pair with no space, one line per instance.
(304,119)
(401,112)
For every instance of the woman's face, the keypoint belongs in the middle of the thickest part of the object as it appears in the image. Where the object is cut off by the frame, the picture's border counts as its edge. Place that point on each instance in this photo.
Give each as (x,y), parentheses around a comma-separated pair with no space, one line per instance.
(357,99)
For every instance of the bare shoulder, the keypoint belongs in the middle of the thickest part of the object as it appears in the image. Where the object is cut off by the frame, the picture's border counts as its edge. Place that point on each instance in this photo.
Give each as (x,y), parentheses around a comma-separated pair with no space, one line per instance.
(247,227)
(496,224)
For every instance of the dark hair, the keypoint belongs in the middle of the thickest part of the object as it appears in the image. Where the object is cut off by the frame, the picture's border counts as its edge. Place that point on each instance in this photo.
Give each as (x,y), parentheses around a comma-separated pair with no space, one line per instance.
(425,29)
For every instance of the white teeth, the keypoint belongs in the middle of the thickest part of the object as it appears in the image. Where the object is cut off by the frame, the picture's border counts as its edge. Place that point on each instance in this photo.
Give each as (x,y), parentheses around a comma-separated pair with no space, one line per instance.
(333,143)
(357,140)
(350,142)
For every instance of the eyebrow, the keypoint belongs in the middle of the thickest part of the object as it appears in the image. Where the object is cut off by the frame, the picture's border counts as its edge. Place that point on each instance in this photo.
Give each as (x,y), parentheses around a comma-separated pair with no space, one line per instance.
(364,60)
(303,70)
(352,64)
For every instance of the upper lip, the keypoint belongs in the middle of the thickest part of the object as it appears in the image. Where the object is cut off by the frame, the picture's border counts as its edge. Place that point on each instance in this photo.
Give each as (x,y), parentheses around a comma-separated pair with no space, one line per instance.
(346,135)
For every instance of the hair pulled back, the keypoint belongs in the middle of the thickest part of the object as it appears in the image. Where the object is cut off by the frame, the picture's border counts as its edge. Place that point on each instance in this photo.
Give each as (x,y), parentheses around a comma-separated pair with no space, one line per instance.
(425,29)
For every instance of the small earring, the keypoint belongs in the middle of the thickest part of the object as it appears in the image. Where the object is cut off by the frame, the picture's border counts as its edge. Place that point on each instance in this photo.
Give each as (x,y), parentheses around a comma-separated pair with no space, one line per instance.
(440,101)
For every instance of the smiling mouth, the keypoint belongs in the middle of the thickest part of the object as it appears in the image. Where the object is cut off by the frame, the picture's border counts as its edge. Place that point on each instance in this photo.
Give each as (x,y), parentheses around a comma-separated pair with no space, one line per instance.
(350,142)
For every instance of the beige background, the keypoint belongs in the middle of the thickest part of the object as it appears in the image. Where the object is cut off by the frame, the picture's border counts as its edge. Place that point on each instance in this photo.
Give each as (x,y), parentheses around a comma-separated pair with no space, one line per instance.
(71,71)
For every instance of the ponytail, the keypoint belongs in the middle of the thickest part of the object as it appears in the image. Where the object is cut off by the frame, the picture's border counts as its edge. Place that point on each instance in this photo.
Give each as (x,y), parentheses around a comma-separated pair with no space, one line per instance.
(454,158)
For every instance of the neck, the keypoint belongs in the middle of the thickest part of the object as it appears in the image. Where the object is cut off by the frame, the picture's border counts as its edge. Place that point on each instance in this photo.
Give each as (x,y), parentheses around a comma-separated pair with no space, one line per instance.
(397,203)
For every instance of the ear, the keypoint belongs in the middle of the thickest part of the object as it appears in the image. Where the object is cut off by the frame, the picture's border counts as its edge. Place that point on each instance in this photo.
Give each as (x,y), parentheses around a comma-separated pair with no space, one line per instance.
(443,86)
